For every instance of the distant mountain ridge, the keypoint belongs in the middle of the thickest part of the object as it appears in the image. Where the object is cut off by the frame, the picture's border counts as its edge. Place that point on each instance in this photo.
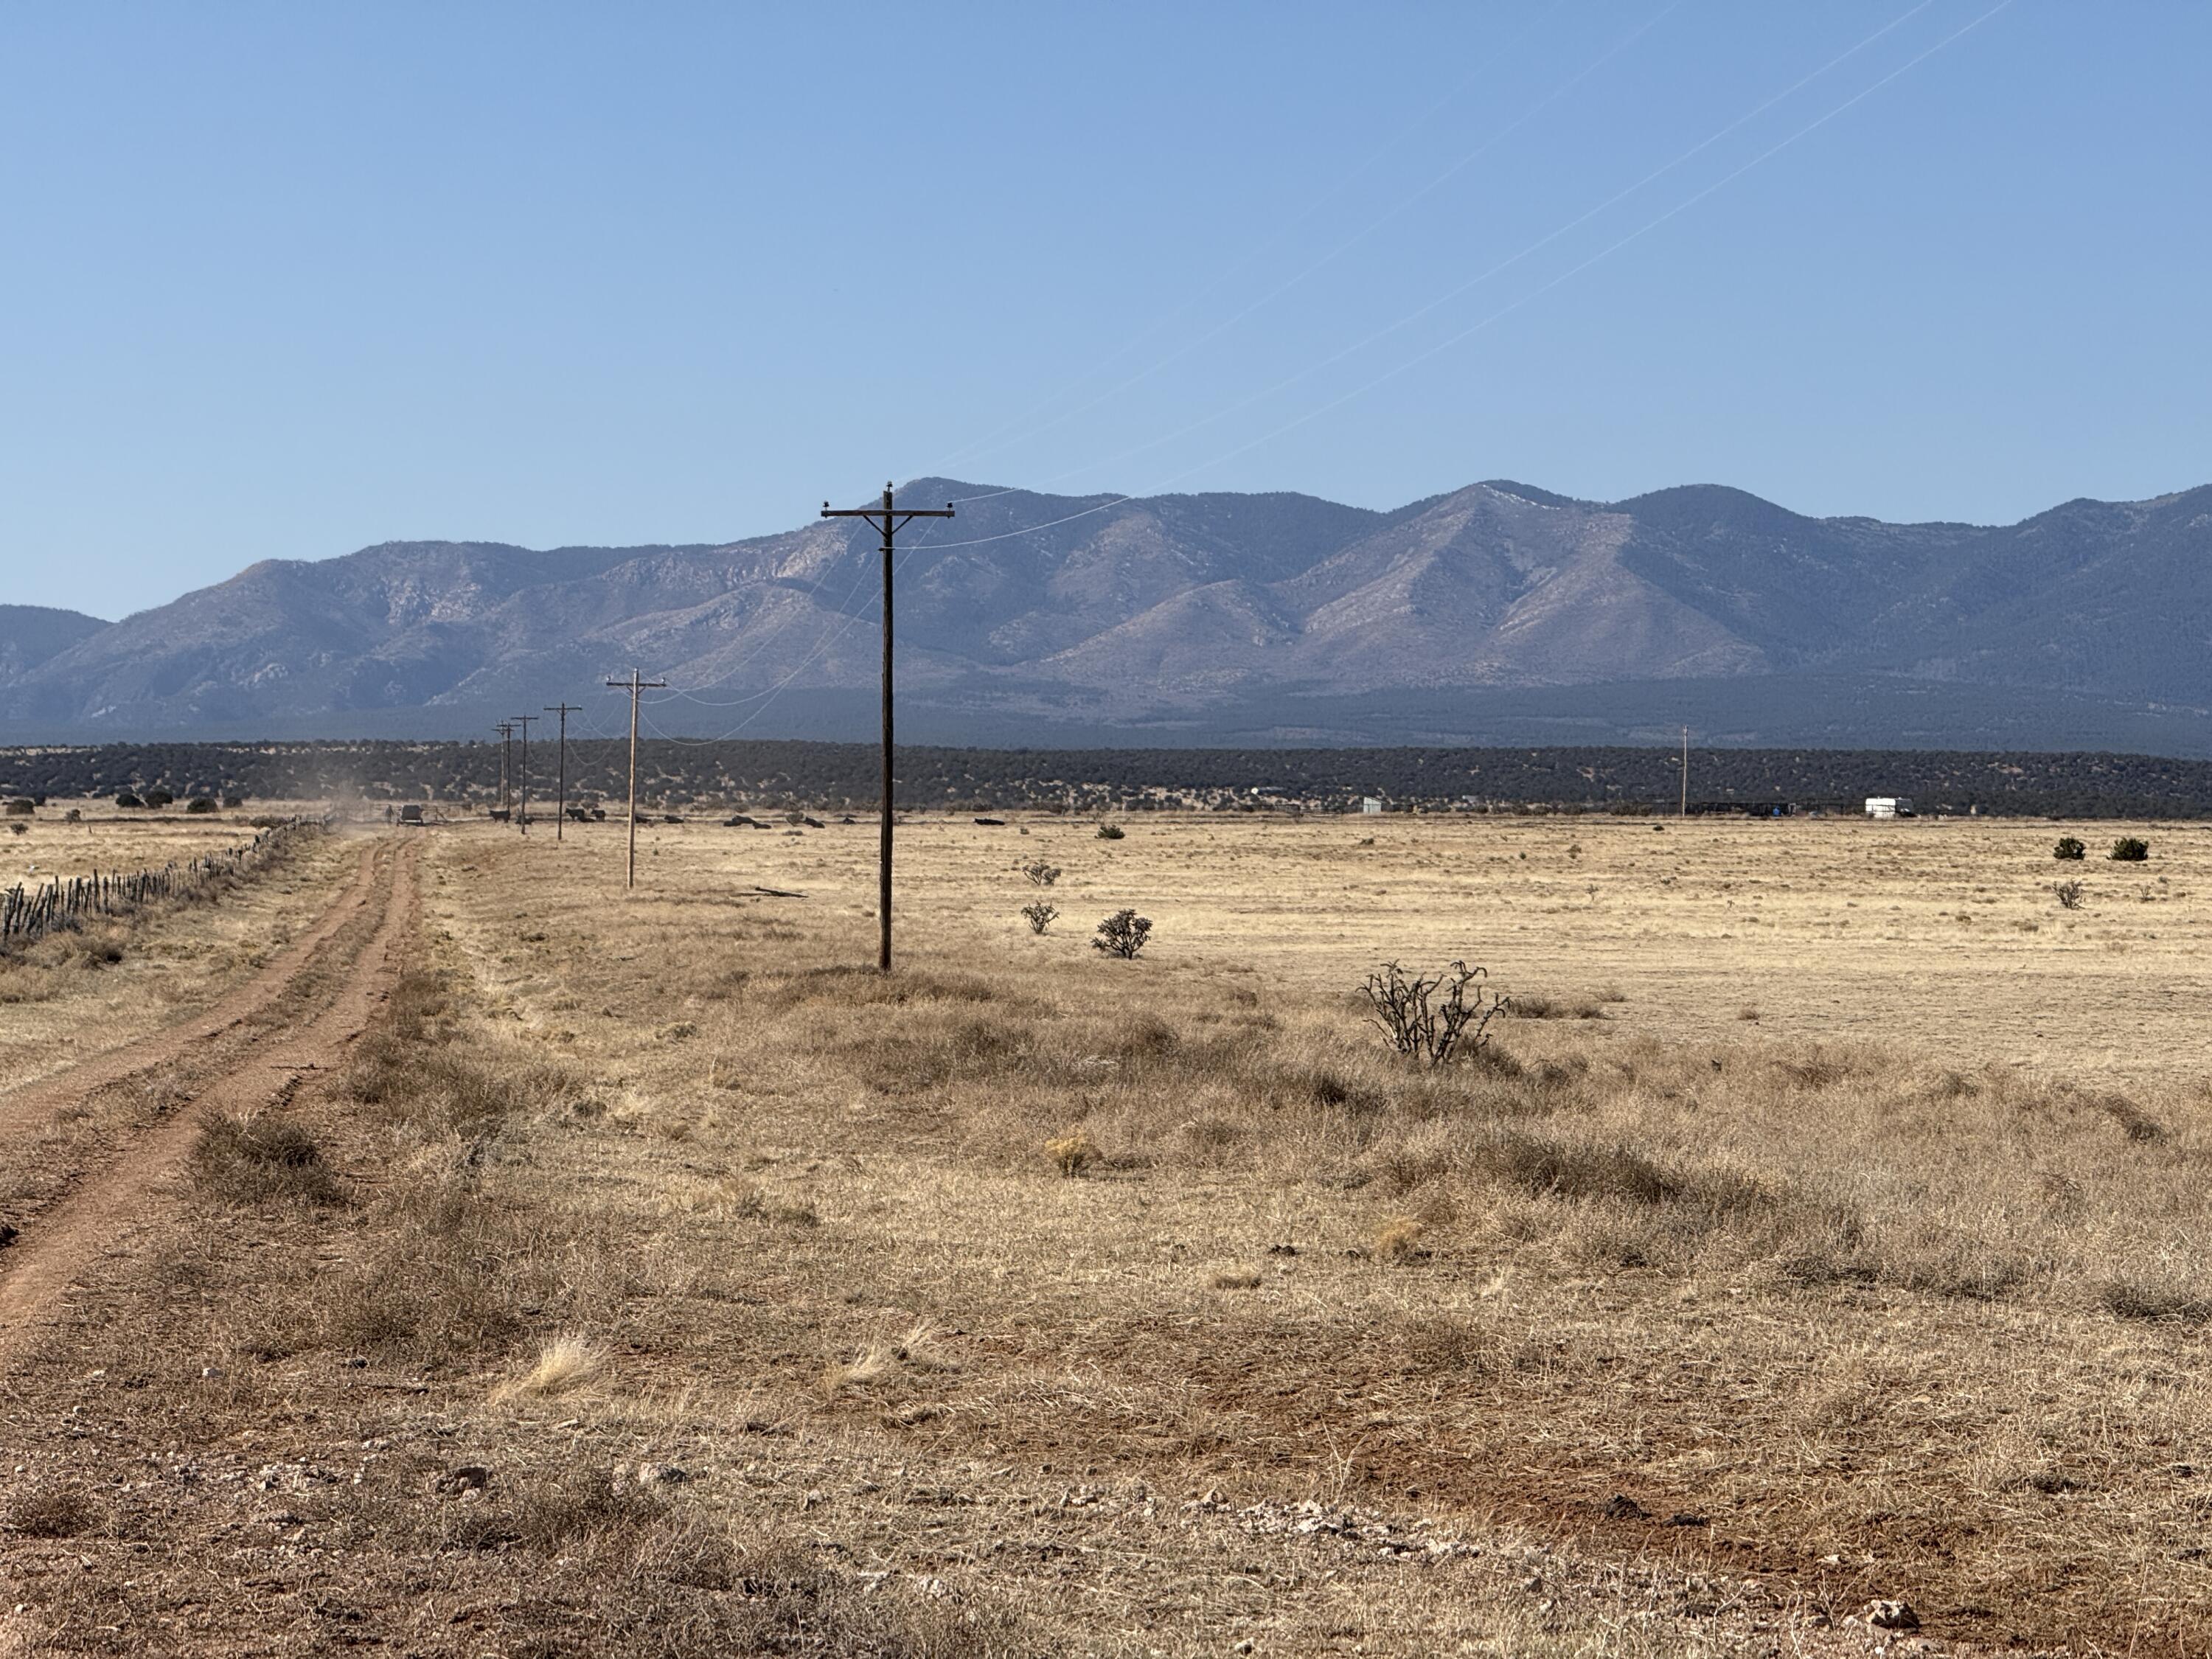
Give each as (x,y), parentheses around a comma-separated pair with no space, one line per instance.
(31,634)
(1167,611)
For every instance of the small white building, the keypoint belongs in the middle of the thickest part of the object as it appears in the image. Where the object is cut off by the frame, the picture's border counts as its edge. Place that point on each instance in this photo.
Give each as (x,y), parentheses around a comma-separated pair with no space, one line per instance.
(1370,804)
(1889,806)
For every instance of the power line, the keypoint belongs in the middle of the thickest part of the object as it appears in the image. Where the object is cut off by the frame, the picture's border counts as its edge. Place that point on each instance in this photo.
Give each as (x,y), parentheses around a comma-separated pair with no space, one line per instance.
(1289,229)
(1350,242)
(1504,265)
(769,694)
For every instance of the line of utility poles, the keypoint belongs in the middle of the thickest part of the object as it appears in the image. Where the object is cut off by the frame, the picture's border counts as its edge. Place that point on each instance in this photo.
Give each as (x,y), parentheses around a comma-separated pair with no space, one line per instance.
(889,519)
(560,800)
(634,685)
(1686,772)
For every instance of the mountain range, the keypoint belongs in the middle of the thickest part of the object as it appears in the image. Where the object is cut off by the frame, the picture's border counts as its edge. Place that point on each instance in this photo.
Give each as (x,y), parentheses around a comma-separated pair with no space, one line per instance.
(1497,612)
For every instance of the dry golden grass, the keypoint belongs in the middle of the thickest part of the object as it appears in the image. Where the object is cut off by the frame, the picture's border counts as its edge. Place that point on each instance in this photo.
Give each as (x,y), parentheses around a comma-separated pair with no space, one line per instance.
(564,1364)
(1655,1329)
(71,994)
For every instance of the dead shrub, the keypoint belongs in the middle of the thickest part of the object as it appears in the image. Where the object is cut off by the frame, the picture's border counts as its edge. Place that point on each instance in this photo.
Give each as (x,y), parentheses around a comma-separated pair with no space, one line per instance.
(258,1160)
(1417,1023)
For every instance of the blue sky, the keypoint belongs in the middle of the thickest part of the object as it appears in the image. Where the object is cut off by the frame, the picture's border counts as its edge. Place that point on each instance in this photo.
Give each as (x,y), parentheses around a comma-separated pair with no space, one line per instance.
(281,281)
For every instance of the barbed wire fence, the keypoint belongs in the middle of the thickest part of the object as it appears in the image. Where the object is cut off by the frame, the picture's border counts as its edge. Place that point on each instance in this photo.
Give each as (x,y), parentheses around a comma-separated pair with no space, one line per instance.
(27,913)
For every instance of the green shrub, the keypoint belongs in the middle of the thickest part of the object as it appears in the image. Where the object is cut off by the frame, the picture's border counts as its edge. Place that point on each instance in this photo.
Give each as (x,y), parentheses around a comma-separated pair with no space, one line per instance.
(1110,832)
(2130,850)
(158,799)
(22,808)
(127,799)
(2070,846)
(199,804)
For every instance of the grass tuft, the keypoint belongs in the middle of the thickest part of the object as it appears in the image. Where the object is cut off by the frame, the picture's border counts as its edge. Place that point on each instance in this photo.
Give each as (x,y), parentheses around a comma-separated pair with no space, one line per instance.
(1399,1241)
(258,1160)
(1073,1153)
(564,1364)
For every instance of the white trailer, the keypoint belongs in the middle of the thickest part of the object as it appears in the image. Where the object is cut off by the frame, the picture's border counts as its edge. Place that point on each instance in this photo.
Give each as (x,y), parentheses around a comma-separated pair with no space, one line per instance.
(1889,806)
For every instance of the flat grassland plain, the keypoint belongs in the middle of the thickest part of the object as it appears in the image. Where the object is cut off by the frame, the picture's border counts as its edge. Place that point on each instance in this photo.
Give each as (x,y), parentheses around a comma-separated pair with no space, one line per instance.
(641,1273)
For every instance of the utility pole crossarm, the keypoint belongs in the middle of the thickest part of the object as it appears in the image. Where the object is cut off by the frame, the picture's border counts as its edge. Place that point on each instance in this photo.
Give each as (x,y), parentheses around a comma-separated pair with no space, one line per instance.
(890,518)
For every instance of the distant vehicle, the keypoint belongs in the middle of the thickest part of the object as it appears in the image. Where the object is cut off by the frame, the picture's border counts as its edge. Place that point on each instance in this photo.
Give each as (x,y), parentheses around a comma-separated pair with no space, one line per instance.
(995,823)
(1889,806)
(581,815)
(411,813)
(500,815)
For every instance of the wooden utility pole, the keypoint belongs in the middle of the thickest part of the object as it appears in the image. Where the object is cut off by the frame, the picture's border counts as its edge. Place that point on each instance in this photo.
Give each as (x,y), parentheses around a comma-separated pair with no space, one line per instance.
(506,730)
(1686,771)
(522,778)
(634,685)
(889,519)
(561,809)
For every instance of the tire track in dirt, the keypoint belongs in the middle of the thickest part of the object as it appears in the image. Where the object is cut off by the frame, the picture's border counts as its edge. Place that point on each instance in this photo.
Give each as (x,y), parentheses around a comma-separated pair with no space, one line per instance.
(25,1108)
(98,1218)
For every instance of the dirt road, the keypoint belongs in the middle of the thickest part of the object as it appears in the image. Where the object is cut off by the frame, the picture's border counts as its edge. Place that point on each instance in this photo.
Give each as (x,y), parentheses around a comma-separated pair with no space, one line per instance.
(246,1053)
